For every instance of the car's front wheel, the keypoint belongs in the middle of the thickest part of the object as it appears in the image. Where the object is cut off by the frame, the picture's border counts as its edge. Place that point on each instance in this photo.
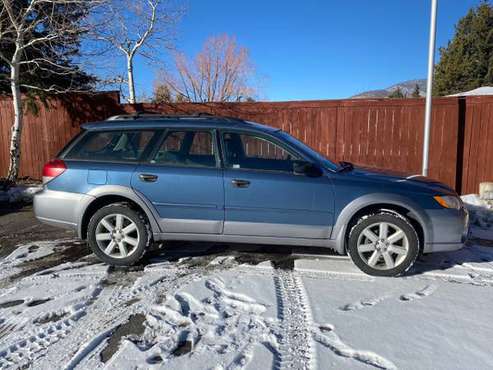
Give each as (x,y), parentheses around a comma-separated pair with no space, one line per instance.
(383,244)
(118,235)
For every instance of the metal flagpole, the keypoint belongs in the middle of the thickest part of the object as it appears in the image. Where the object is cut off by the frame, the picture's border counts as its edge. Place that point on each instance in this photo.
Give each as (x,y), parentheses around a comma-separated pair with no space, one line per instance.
(429,86)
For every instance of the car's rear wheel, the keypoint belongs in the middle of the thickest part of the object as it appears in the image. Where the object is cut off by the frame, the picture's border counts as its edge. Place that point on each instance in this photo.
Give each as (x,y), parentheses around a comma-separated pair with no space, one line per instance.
(383,244)
(118,235)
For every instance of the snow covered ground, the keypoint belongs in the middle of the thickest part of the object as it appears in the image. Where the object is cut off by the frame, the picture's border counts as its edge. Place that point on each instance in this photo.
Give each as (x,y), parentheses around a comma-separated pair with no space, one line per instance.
(220,310)
(212,307)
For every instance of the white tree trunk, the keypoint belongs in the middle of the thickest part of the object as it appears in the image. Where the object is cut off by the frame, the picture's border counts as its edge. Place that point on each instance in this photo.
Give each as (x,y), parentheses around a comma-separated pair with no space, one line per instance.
(131,84)
(15,139)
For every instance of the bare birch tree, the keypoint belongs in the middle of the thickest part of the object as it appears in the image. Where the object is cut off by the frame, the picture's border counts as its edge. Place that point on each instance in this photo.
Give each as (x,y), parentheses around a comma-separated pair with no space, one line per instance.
(133,27)
(32,38)
(221,72)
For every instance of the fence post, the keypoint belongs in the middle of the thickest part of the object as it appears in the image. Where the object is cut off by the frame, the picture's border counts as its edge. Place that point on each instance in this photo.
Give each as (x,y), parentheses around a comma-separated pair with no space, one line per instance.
(461,133)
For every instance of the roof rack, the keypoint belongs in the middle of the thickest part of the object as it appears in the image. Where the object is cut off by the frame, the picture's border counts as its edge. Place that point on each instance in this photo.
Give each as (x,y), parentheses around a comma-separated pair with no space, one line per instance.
(154,116)
(138,115)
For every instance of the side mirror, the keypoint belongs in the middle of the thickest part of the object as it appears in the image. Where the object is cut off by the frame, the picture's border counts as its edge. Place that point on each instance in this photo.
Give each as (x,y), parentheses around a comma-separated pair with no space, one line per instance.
(302,168)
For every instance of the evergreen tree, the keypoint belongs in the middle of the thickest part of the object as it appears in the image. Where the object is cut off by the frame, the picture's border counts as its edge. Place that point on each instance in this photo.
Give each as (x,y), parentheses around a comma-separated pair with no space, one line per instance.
(467,61)
(397,94)
(417,92)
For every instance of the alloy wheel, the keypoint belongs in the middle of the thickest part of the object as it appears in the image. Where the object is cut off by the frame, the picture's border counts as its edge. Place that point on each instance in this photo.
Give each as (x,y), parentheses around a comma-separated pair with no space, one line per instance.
(117,236)
(383,246)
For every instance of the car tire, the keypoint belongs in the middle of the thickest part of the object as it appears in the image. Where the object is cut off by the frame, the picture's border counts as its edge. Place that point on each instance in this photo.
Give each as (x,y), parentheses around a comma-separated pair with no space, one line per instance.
(383,244)
(118,234)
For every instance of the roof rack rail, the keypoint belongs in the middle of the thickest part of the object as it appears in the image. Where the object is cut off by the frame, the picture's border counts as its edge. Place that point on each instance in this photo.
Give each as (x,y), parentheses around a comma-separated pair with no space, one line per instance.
(138,115)
(226,118)
(146,115)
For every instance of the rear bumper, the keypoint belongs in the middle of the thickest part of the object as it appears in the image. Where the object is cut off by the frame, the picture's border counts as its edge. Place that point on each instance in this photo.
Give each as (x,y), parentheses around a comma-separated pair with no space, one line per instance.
(59,208)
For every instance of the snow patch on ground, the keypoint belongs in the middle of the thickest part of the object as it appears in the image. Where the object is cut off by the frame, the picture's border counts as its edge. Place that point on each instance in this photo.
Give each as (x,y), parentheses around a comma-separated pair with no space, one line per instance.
(11,264)
(480,216)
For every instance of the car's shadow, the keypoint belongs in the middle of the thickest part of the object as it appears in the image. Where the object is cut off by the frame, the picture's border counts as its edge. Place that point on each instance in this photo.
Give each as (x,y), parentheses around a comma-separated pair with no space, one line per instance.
(279,256)
(284,256)
(477,253)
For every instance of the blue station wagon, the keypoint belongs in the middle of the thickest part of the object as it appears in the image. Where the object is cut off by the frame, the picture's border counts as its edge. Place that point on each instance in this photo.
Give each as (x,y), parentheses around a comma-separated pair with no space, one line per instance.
(132,180)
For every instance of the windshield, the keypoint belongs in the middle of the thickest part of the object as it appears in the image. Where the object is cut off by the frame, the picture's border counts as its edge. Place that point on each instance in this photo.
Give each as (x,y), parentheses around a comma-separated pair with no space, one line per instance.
(309,151)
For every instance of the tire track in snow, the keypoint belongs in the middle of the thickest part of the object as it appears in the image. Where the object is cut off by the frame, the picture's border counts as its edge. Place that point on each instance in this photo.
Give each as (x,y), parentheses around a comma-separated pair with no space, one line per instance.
(53,336)
(296,347)
(299,332)
(25,351)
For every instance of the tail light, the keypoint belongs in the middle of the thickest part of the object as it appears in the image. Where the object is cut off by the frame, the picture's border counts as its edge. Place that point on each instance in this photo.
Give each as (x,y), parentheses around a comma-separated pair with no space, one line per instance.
(53,169)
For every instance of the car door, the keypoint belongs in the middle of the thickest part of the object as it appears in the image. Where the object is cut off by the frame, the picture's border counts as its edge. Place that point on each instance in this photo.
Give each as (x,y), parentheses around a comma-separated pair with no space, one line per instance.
(263,196)
(183,181)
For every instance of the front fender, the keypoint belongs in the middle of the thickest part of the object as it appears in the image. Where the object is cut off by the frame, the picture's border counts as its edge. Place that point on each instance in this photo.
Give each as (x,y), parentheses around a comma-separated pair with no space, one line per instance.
(344,218)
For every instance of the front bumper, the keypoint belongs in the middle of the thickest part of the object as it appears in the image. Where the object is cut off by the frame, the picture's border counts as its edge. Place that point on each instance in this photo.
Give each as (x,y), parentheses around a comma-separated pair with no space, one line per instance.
(449,230)
(443,247)
(59,208)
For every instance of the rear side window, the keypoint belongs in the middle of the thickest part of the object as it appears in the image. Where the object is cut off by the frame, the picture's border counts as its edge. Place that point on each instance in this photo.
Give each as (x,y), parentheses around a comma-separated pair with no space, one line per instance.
(111,146)
(186,148)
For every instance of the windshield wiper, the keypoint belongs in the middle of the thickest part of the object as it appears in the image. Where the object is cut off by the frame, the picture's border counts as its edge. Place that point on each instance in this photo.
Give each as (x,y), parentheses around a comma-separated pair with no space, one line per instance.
(345,166)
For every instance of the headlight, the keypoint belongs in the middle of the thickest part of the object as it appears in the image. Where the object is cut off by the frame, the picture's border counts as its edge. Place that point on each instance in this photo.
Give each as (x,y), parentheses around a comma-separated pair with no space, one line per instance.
(448,201)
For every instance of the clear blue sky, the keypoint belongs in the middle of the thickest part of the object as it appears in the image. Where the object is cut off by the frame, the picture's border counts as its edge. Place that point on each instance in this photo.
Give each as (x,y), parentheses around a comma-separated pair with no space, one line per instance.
(321,49)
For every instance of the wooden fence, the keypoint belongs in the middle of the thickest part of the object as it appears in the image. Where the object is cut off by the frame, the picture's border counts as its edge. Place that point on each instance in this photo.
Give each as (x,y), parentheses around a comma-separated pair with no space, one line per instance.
(377,133)
(384,133)
(47,132)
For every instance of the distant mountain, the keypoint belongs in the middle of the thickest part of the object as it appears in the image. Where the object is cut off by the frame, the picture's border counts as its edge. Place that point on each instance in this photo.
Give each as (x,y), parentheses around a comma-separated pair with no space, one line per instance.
(407,88)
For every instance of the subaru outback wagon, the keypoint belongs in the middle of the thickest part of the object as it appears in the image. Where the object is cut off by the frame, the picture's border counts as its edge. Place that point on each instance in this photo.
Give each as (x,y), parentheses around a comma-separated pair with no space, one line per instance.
(133,180)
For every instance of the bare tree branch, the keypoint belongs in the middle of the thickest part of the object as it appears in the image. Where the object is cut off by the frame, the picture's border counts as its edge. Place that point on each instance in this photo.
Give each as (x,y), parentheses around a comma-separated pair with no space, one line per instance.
(135,27)
(221,72)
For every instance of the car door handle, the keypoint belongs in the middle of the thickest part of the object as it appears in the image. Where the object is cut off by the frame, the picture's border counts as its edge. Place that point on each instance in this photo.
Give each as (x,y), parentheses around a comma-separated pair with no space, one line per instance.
(147,177)
(240,183)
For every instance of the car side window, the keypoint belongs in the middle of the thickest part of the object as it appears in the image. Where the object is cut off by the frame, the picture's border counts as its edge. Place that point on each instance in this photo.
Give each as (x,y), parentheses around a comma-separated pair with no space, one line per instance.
(245,151)
(111,146)
(186,148)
